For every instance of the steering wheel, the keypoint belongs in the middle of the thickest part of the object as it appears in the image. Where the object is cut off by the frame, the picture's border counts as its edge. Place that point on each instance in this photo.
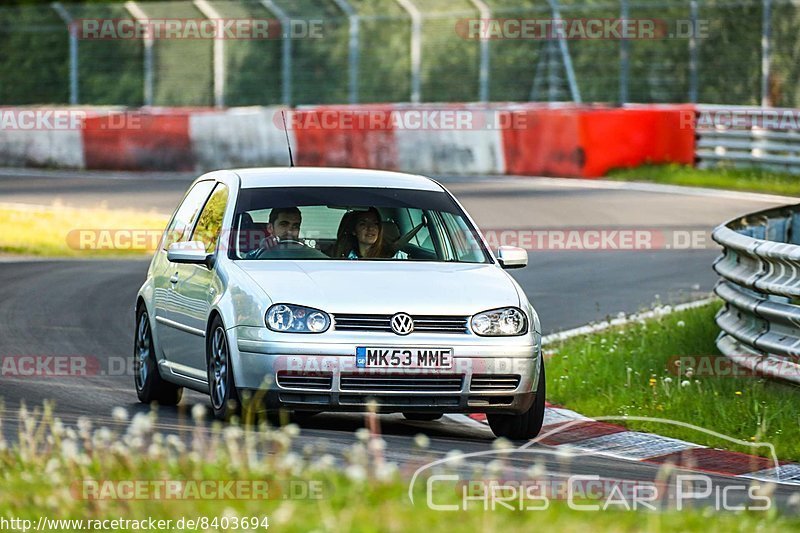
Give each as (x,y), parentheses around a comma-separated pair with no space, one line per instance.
(291,241)
(284,243)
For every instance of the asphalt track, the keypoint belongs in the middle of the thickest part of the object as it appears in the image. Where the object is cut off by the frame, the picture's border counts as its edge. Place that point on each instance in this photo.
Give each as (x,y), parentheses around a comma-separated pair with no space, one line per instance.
(85,308)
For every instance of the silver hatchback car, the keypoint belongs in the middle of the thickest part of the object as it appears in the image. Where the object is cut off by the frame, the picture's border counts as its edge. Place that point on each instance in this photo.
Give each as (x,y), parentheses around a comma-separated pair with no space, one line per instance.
(317,290)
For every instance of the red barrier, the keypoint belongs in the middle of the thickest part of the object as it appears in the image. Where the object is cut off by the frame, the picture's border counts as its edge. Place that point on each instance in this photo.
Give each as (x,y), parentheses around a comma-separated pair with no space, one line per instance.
(139,141)
(569,141)
(546,143)
(620,138)
(342,136)
(587,143)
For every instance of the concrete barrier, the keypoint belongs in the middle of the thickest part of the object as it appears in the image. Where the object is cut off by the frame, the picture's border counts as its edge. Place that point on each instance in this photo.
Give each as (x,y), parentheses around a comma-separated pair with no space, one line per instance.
(513,139)
(239,137)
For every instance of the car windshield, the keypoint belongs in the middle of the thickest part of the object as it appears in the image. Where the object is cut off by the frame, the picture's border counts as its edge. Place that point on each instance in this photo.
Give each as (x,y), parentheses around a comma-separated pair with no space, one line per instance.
(352,223)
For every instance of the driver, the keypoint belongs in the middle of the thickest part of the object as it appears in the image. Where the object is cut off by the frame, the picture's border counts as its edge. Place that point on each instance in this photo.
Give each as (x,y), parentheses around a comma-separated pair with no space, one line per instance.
(284,225)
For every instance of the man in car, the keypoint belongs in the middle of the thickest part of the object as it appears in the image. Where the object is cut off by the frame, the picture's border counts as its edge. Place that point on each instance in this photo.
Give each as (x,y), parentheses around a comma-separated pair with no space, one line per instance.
(284,225)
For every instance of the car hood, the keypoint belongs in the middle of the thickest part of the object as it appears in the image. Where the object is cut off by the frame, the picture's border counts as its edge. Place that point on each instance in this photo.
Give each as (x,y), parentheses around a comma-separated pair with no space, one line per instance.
(373,287)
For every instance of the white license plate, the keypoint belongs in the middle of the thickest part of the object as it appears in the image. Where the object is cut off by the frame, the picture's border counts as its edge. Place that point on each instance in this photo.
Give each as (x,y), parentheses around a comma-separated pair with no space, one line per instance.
(385,357)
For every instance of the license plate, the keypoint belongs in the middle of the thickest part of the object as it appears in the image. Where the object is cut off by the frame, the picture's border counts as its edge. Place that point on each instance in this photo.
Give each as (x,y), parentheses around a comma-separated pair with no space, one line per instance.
(383,357)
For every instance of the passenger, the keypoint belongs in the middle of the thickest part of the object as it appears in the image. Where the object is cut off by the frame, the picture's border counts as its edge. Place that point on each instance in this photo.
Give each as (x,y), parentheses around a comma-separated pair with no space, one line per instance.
(366,237)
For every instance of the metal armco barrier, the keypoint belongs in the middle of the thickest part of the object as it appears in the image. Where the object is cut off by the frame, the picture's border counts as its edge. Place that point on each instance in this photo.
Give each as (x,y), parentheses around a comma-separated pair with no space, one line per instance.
(748,136)
(760,269)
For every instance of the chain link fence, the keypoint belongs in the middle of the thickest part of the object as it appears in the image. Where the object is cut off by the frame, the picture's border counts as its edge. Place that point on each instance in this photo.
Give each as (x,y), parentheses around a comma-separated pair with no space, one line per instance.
(738,52)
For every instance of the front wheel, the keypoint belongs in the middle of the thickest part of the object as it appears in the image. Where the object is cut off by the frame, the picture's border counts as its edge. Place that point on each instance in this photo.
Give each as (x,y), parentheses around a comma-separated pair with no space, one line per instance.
(525,425)
(150,386)
(225,401)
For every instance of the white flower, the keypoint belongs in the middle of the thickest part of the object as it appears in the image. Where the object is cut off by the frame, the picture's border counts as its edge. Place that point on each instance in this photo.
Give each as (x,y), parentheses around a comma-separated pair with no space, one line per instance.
(141,424)
(325,462)
(84,425)
(291,461)
(173,441)
(102,436)
(421,441)
(69,449)
(356,473)
(362,434)
(233,433)
(502,444)
(685,383)
(494,467)
(120,414)
(386,471)
(52,467)
(454,458)
(668,380)
(198,412)
(292,430)
(681,324)
(376,445)
(536,471)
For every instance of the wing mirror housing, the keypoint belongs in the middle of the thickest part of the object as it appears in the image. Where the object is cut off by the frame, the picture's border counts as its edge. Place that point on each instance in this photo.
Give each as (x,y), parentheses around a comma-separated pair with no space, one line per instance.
(512,257)
(189,253)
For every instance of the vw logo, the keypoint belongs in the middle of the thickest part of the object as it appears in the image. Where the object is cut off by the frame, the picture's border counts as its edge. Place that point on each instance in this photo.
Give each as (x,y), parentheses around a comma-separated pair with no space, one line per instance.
(402,324)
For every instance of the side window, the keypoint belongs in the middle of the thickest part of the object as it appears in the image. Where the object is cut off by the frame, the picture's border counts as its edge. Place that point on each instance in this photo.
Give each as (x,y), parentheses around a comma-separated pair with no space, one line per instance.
(209,224)
(464,242)
(186,214)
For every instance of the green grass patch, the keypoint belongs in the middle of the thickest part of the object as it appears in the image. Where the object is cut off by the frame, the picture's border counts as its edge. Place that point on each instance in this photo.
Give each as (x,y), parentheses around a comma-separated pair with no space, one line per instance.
(58,231)
(736,179)
(46,475)
(630,371)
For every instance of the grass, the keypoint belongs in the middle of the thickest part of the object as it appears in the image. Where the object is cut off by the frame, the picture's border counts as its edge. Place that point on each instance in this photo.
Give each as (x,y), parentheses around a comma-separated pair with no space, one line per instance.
(58,231)
(44,473)
(737,179)
(626,371)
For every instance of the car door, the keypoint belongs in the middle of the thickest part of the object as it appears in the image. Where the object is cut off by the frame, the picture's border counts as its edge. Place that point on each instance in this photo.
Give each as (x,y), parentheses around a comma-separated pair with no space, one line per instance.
(194,290)
(178,230)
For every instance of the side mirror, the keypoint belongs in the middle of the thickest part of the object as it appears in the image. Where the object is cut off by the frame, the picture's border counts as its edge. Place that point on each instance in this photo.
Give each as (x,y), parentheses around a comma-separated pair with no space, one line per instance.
(189,253)
(512,257)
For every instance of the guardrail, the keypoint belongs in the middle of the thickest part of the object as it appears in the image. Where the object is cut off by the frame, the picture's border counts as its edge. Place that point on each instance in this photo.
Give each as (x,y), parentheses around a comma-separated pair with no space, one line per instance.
(760,269)
(748,136)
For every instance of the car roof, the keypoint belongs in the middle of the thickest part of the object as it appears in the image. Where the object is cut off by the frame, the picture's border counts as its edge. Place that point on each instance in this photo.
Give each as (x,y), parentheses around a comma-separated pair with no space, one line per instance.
(332,177)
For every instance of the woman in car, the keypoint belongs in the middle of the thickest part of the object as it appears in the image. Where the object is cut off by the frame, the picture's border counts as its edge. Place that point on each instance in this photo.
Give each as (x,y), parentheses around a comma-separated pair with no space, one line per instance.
(364,237)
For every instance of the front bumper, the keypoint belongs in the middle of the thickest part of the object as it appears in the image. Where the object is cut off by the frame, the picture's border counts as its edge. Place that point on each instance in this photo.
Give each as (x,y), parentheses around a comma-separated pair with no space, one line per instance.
(497,375)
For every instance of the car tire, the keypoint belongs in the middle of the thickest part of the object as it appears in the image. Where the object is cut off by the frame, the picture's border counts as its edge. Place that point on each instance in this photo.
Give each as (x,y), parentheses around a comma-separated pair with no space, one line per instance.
(423,417)
(225,402)
(150,386)
(523,426)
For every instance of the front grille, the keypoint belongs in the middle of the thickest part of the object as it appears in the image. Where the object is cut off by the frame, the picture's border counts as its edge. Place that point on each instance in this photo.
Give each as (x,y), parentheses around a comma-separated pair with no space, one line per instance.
(494,382)
(400,401)
(422,323)
(315,380)
(401,383)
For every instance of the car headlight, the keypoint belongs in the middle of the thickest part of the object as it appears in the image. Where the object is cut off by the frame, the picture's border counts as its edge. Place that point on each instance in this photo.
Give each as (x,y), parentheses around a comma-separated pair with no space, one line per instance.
(297,319)
(505,322)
